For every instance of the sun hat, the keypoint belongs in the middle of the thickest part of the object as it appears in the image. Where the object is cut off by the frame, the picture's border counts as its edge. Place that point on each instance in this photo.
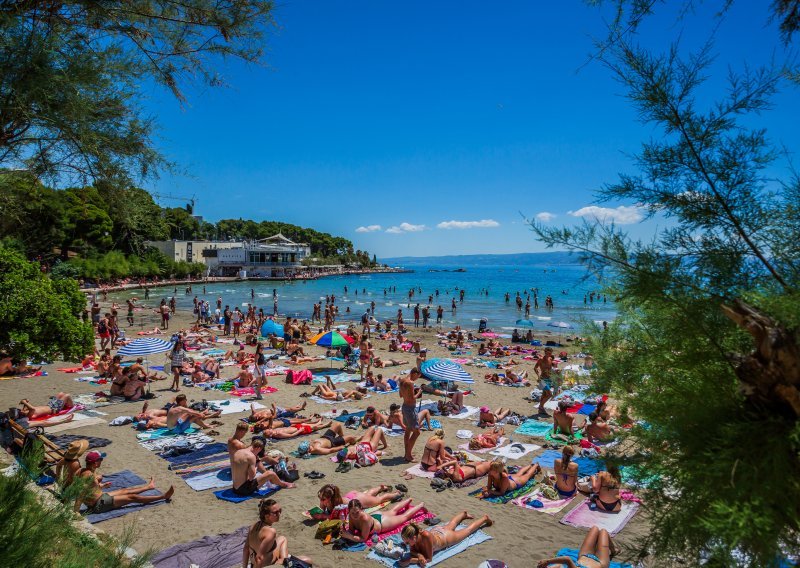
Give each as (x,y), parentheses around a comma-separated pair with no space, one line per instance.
(95,456)
(76,449)
(484,409)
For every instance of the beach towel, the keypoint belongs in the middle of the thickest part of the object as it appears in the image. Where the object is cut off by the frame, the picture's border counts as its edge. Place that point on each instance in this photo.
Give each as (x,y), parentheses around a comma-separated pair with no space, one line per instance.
(122,480)
(499,445)
(159,433)
(582,516)
(396,431)
(233,406)
(345,417)
(213,551)
(441,556)
(165,443)
(586,466)
(515,451)
(417,471)
(576,436)
(78,421)
(534,428)
(549,506)
(213,463)
(336,378)
(250,391)
(228,494)
(64,440)
(197,454)
(574,552)
(467,412)
(71,410)
(216,479)
(510,496)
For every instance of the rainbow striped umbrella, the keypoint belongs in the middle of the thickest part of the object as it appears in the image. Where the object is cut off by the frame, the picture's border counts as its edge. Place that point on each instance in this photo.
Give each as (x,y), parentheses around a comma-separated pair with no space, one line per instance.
(331,339)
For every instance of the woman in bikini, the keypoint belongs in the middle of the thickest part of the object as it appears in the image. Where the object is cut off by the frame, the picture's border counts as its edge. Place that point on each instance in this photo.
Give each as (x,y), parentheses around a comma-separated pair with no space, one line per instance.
(335,506)
(596,551)
(424,544)
(566,473)
(501,482)
(328,392)
(364,525)
(487,440)
(605,491)
(263,546)
(434,454)
(459,472)
(489,418)
(59,403)
(286,432)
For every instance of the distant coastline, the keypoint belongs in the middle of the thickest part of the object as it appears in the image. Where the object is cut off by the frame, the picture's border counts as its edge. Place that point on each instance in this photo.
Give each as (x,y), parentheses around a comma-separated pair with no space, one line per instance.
(523,258)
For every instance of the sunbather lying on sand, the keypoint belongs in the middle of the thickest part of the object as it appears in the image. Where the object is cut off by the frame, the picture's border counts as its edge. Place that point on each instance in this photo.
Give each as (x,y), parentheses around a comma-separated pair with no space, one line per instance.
(7,368)
(334,506)
(364,525)
(328,392)
(99,502)
(331,441)
(424,544)
(381,363)
(459,472)
(596,551)
(263,546)
(293,431)
(489,418)
(500,482)
(488,439)
(58,403)
(274,412)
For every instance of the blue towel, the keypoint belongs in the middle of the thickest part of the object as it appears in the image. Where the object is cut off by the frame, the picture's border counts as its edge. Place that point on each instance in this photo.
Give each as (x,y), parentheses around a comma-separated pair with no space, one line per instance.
(534,428)
(586,466)
(435,423)
(229,495)
(345,417)
(196,455)
(573,553)
(157,367)
(122,480)
(440,556)
(587,409)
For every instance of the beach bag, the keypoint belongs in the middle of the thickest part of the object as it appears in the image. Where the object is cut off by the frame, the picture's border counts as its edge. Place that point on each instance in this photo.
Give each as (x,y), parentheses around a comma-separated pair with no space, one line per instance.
(302,377)
(328,528)
(364,455)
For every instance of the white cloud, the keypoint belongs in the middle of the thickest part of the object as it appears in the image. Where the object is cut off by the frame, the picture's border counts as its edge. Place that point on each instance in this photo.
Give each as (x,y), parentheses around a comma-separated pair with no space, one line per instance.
(545,217)
(622,215)
(485,223)
(368,229)
(405,228)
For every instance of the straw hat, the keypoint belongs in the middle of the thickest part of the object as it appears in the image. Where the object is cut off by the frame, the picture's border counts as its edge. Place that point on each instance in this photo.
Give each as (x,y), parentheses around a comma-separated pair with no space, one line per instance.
(76,449)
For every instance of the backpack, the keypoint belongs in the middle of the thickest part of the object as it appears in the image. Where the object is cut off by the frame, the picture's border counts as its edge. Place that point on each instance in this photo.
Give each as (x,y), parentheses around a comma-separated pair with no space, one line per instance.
(102,327)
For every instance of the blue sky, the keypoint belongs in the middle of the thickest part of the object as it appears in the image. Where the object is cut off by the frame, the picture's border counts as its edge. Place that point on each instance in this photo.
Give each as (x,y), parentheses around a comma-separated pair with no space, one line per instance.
(427,128)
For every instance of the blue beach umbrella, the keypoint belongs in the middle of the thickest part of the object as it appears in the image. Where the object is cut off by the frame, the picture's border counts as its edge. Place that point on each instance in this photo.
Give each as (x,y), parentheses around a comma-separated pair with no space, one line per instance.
(524,323)
(446,370)
(271,326)
(144,346)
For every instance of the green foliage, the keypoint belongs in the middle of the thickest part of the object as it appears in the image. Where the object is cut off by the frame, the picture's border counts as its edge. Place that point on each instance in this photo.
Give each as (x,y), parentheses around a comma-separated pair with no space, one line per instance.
(722,467)
(38,532)
(115,265)
(71,73)
(39,316)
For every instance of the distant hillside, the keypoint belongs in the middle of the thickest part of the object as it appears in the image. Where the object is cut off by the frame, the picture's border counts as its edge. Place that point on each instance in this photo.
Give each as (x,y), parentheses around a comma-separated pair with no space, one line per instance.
(526,258)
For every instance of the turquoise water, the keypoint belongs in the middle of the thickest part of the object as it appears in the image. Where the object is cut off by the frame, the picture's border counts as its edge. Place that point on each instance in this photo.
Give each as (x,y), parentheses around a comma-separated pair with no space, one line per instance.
(296,298)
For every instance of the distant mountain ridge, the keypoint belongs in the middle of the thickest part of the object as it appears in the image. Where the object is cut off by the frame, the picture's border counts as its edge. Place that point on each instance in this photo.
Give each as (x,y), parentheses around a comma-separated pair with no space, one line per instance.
(525,258)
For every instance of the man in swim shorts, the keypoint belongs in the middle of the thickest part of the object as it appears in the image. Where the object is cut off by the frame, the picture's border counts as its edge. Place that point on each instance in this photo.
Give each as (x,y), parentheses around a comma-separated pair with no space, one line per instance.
(410,393)
(180,417)
(331,441)
(544,369)
(249,474)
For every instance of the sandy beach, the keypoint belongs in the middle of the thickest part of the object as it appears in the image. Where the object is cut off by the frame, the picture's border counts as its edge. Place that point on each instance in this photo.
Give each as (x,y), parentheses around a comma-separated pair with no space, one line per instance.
(519,536)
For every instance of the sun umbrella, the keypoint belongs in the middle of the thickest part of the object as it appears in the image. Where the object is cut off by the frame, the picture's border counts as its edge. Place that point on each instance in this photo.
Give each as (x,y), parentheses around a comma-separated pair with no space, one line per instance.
(445,370)
(271,326)
(524,323)
(145,346)
(331,339)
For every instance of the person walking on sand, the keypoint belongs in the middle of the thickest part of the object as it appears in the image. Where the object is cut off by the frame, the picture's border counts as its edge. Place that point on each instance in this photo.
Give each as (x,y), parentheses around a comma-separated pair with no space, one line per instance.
(176,364)
(410,393)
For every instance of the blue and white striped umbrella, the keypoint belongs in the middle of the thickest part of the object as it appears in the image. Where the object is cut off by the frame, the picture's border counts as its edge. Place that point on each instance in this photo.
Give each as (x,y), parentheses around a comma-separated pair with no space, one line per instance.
(446,370)
(144,346)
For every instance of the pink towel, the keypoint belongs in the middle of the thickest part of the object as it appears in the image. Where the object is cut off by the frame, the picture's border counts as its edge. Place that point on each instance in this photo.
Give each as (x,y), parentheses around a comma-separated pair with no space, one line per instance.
(251,391)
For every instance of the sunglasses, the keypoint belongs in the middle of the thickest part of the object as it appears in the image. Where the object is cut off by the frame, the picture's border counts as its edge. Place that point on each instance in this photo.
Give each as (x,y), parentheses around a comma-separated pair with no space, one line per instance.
(278,512)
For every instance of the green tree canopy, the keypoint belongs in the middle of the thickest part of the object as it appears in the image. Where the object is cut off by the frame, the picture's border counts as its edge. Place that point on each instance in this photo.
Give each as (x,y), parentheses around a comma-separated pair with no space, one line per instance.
(40,317)
(705,351)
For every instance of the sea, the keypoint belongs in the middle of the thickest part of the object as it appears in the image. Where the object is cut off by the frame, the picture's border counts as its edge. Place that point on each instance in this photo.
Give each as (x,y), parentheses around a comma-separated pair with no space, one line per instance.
(485,280)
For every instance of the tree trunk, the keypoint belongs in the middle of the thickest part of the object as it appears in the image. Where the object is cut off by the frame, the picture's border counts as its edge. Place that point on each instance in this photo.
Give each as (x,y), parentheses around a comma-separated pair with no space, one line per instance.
(770,374)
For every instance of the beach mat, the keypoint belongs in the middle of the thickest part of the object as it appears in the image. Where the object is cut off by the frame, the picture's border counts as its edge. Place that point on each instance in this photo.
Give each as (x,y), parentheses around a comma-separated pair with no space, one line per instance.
(441,556)
(160,433)
(573,553)
(64,440)
(514,453)
(576,437)
(121,480)
(582,516)
(217,479)
(345,417)
(549,506)
(534,428)
(499,445)
(586,466)
(233,406)
(229,495)
(213,551)
(79,421)
(198,454)
(417,471)
(251,391)
(467,412)
(510,496)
